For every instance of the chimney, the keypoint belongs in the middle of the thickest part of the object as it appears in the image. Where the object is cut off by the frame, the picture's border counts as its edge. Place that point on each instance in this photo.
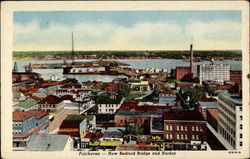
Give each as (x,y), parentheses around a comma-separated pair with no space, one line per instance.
(191,60)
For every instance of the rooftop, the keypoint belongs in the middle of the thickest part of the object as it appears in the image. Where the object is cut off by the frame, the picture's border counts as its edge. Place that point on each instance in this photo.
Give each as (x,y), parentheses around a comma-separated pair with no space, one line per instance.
(47,142)
(235,98)
(167,92)
(26,104)
(38,113)
(21,116)
(183,115)
(75,117)
(50,99)
(213,112)
(43,90)
(105,99)
(208,104)
(16,94)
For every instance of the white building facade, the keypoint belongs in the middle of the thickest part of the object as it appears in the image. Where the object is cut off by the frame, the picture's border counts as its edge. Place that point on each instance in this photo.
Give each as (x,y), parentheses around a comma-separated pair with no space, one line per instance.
(213,72)
(230,123)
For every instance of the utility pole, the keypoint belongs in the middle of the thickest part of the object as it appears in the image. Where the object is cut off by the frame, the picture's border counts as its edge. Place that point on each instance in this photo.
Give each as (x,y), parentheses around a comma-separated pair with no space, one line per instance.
(72,51)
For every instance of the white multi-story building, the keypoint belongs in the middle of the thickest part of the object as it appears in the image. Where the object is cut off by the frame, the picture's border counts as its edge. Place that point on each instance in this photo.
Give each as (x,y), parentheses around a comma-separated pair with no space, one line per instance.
(87,69)
(213,72)
(109,106)
(230,119)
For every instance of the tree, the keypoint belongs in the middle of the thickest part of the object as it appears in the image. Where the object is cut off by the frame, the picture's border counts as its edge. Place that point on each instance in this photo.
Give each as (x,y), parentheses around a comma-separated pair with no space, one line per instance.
(195,95)
(125,90)
(211,90)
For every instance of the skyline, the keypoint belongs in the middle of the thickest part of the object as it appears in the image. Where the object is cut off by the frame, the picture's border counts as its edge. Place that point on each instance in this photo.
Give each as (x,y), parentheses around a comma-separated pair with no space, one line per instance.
(127,30)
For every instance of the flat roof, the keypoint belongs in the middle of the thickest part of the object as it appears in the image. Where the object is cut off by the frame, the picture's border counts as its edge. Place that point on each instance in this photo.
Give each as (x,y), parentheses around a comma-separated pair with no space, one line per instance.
(235,98)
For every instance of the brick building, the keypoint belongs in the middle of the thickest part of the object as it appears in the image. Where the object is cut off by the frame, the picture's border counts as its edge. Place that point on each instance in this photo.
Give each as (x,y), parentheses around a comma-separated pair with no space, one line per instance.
(236,76)
(184,126)
(182,73)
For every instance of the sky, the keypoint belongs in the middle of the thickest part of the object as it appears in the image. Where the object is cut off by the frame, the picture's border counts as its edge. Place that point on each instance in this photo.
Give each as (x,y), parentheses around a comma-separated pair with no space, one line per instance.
(127,30)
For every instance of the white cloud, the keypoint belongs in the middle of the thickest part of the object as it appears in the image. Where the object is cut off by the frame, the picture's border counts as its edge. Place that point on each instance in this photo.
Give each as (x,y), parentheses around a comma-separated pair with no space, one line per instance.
(145,36)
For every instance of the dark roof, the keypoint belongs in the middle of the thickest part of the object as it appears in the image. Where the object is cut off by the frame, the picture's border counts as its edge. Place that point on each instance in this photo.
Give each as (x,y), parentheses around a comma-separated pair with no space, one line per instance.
(50,99)
(105,99)
(183,115)
(133,106)
(104,118)
(157,125)
(47,142)
(93,135)
(72,121)
(67,97)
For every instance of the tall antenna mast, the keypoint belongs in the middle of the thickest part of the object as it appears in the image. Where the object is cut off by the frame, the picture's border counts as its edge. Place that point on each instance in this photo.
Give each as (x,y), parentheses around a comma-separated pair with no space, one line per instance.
(72,52)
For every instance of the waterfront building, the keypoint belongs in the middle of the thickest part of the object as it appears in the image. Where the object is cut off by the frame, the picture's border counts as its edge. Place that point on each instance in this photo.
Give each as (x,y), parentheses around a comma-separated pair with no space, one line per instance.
(213,72)
(167,98)
(52,104)
(87,69)
(43,92)
(26,124)
(230,119)
(182,73)
(50,142)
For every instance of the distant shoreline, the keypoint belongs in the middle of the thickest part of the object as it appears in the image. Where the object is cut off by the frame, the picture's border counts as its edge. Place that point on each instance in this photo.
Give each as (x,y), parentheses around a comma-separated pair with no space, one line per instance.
(114,59)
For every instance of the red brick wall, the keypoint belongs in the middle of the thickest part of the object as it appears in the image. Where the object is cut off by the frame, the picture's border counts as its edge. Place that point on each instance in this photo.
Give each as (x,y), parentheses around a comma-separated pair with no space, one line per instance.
(202,134)
(121,120)
(181,72)
(236,76)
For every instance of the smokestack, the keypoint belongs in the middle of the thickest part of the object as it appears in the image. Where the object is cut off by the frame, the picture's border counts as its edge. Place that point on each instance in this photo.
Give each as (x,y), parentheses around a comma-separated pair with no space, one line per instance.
(191,60)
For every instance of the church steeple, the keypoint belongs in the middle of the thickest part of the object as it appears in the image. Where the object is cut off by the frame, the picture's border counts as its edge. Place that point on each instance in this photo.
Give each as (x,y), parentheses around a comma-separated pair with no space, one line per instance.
(15,69)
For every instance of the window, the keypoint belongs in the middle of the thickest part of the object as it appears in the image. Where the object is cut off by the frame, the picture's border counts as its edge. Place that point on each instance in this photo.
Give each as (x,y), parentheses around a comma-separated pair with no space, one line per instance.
(240,135)
(241,143)
(185,128)
(186,137)
(166,136)
(177,136)
(197,137)
(170,136)
(201,128)
(192,128)
(241,118)
(181,128)
(193,137)
(170,127)
(177,127)
(240,108)
(241,127)
(181,136)
(197,128)
(166,127)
